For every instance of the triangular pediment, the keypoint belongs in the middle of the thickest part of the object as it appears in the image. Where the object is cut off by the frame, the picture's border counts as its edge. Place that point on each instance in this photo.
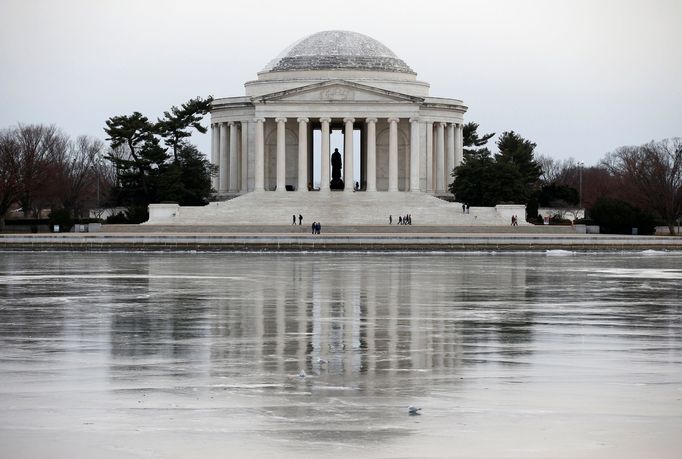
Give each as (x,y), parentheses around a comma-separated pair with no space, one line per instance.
(337,91)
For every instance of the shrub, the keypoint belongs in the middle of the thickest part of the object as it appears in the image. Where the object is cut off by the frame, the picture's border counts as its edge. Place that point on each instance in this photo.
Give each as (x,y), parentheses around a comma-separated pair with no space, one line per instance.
(557,220)
(117,219)
(134,215)
(61,217)
(619,217)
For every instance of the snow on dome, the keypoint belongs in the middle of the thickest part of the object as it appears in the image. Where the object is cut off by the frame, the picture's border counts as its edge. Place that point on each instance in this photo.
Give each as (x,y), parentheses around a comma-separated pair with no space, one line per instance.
(337,50)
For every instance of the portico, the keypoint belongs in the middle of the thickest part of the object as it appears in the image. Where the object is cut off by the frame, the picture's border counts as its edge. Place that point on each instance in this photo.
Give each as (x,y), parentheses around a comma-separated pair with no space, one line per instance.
(296,171)
(336,81)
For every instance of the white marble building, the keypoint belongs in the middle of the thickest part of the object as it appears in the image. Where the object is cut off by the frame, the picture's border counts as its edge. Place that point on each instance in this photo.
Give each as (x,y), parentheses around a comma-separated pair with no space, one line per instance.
(273,150)
(344,81)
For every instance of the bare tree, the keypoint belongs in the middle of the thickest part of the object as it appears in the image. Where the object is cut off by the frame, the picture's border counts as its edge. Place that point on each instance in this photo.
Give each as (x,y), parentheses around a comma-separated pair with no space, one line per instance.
(38,146)
(76,174)
(550,168)
(10,183)
(555,172)
(655,172)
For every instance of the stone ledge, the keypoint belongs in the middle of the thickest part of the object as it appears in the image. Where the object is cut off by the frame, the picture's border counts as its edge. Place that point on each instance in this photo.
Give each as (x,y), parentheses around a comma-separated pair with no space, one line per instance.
(335,242)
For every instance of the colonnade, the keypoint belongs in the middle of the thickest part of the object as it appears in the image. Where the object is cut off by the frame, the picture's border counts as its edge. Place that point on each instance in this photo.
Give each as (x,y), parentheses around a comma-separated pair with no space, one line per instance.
(229,148)
(442,154)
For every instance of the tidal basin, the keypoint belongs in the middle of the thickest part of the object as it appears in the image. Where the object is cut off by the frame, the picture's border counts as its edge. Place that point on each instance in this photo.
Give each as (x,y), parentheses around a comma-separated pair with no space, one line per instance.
(543,354)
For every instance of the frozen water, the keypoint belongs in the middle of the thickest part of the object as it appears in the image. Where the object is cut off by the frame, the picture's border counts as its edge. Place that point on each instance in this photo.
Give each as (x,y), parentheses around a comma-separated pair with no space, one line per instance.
(198,355)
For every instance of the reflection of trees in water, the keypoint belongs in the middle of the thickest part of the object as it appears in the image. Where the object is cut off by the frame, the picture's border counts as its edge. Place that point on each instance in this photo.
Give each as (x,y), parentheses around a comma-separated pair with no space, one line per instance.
(139,326)
(159,319)
(51,311)
(31,312)
(608,293)
(479,310)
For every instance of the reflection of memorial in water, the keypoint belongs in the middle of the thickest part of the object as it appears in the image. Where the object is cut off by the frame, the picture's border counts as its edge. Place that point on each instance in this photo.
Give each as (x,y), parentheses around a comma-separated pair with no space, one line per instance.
(339,317)
(332,316)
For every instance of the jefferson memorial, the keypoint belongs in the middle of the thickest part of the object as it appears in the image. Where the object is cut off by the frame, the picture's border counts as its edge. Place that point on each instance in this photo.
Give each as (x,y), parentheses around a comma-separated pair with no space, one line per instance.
(336,128)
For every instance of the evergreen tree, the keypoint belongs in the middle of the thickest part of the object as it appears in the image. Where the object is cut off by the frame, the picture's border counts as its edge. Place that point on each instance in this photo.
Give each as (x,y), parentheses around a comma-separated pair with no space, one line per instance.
(517,151)
(511,176)
(471,137)
(470,178)
(176,125)
(483,181)
(615,216)
(147,174)
(136,134)
(187,181)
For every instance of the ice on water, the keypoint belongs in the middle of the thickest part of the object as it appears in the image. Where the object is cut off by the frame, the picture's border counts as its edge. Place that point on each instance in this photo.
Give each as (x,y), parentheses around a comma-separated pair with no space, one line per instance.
(196,354)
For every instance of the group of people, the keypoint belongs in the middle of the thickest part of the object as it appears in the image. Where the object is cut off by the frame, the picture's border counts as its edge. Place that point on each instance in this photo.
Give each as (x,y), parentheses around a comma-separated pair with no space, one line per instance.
(465,208)
(316,226)
(402,220)
(514,220)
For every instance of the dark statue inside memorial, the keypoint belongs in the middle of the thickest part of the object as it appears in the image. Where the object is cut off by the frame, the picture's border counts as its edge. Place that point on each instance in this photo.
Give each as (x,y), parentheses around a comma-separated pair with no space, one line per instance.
(336,182)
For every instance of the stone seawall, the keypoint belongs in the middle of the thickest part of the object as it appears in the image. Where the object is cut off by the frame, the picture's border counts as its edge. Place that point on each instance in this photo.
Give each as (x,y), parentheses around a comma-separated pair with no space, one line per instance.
(333,242)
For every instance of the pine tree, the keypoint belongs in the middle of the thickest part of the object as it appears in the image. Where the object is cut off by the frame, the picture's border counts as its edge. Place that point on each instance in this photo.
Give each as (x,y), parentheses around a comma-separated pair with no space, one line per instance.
(176,125)
(146,172)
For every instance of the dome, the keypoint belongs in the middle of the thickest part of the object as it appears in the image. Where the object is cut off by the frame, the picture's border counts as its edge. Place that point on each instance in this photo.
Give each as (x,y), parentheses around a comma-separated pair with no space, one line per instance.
(337,50)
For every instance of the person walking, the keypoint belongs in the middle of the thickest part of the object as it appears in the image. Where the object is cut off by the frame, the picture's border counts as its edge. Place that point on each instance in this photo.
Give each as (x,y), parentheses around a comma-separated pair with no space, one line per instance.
(293,221)
(300,219)
(314,227)
(390,219)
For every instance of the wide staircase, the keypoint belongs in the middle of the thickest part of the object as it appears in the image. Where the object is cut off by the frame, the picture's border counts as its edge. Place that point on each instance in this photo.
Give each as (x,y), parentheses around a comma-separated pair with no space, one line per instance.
(334,208)
(368,230)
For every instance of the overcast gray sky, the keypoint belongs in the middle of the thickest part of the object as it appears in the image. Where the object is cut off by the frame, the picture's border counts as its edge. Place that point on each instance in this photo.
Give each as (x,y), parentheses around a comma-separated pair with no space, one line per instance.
(579,78)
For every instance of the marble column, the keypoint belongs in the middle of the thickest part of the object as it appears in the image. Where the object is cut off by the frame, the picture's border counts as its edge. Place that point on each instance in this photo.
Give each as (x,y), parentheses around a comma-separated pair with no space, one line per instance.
(281,154)
(429,157)
(414,154)
(440,157)
(393,154)
(234,158)
(349,183)
(244,156)
(451,154)
(371,154)
(302,154)
(459,144)
(324,157)
(215,153)
(259,163)
(224,165)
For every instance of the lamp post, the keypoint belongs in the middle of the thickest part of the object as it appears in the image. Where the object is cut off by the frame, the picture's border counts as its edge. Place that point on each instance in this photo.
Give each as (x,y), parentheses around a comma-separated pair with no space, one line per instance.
(98,166)
(580,165)
(98,187)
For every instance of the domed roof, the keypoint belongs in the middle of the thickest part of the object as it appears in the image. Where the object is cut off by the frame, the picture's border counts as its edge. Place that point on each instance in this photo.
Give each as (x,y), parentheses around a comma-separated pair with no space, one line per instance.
(337,50)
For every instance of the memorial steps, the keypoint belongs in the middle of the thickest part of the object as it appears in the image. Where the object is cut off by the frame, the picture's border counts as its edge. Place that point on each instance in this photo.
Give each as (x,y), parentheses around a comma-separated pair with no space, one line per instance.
(331,208)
